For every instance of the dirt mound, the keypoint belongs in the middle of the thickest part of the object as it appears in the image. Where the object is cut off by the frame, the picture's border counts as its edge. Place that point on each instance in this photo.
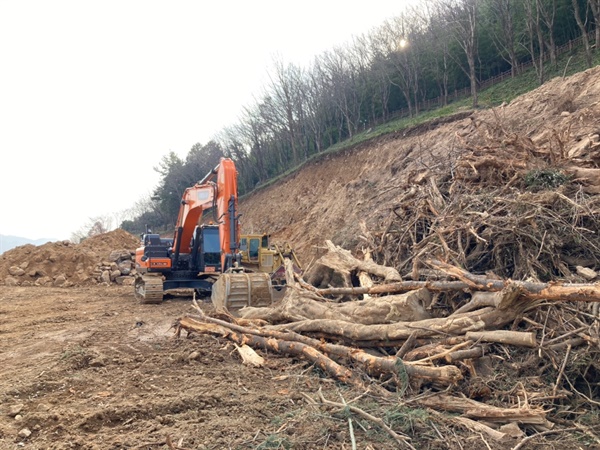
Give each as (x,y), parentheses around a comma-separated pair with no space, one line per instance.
(103,258)
(104,244)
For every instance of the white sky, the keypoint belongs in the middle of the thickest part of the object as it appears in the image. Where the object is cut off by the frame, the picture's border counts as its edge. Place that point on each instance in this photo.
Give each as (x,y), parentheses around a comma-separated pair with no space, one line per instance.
(94,93)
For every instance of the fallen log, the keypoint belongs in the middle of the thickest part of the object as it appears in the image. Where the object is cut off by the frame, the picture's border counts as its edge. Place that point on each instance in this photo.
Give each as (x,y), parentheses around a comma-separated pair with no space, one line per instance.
(276,345)
(301,305)
(459,324)
(373,365)
(555,291)
(395,288)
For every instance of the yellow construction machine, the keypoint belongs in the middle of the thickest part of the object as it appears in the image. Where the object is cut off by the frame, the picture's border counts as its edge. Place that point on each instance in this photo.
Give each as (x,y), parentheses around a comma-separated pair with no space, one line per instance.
(260,255)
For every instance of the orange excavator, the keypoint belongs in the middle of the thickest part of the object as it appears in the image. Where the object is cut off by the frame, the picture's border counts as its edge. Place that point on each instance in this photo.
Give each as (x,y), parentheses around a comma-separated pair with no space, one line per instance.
(202,256)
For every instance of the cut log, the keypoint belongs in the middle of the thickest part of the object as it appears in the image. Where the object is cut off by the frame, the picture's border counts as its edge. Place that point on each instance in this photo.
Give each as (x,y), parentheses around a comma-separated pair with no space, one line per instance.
(518,338)
(395,288)
(299,305)
(364,278)
(249,356)
(374,365)
(486,318)
(535,291)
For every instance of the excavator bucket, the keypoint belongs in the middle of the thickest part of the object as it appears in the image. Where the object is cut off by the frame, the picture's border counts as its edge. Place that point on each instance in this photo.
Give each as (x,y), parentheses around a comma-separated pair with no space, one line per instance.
(235,290)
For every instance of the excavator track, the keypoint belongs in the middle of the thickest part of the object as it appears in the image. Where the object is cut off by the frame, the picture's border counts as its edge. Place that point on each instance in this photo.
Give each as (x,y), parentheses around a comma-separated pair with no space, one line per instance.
(149,290)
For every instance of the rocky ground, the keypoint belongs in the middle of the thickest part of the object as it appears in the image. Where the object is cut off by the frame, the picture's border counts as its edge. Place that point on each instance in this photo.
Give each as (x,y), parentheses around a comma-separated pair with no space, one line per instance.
(82,365)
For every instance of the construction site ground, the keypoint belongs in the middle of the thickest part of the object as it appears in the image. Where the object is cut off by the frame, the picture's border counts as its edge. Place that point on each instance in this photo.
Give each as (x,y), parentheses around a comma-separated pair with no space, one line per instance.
(83,365)
(90,368)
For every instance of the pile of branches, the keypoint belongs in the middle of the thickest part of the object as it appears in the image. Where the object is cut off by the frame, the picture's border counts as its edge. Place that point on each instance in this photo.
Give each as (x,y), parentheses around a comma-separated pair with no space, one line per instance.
(502,354)
(506,206)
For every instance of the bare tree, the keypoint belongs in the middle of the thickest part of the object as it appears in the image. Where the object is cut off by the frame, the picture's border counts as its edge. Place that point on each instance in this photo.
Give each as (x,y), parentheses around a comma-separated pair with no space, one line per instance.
(335,67)
(547,10)
(284,93)
(376,50)
(437,46)
(595,7)
(503,11)
(462,16)
(393,36)
(94,227)
(584,35)
(535,37)
(315,102)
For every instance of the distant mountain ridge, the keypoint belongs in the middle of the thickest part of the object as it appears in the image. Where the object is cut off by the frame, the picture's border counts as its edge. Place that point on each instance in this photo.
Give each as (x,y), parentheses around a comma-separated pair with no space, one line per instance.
(9,242)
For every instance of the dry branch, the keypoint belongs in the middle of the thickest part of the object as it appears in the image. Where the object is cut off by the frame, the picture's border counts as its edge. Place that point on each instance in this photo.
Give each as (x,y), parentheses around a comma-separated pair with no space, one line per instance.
(518,338)
(481,411)
(291,348)
(400,438)
(535,291)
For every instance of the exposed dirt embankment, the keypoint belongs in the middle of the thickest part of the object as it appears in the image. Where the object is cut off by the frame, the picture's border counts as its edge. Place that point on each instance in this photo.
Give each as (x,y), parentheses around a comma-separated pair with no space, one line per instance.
(328,198)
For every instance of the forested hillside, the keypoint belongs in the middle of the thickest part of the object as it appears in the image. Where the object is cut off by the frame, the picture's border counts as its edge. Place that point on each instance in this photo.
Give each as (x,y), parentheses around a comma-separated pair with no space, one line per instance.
(443,52)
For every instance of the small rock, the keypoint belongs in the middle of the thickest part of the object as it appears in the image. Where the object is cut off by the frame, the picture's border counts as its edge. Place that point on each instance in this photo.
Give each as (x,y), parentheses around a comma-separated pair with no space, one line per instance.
(114,275)
(193,356)
(25,433)
(18,417)
(565,114)
(10,281)
(16,271)
(60,280)
(105,277)
(15,409)
(128,281)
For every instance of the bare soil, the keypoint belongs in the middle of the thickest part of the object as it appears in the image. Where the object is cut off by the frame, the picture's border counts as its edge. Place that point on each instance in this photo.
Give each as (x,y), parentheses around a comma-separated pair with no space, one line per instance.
(92,369)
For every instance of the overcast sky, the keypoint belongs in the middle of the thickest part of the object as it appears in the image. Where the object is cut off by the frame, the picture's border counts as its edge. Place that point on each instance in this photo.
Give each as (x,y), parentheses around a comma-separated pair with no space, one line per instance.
(94,93)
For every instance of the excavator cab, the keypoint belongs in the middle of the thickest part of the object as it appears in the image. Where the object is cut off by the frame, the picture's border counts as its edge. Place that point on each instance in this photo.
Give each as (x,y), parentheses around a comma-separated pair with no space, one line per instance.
(206,249)
(252,246)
